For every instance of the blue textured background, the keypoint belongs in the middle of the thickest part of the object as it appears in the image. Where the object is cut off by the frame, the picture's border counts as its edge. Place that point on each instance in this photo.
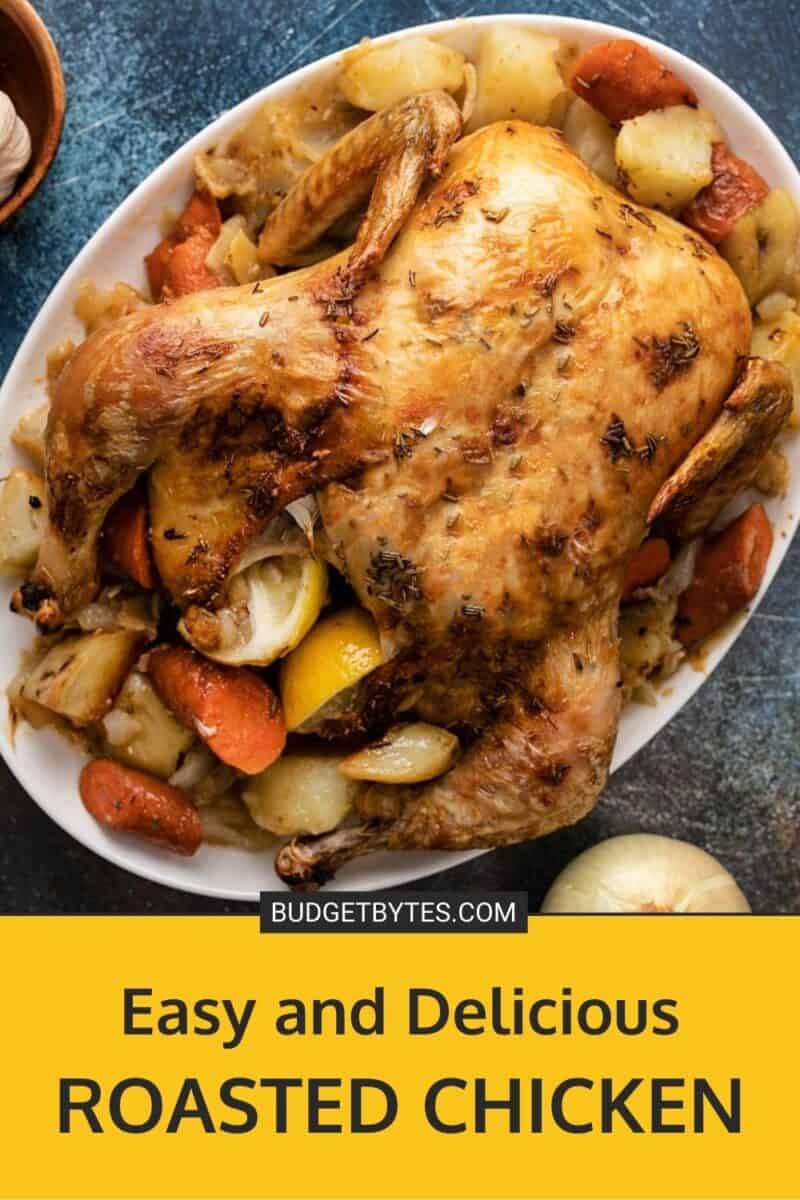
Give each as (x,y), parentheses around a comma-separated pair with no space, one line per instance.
(141,78)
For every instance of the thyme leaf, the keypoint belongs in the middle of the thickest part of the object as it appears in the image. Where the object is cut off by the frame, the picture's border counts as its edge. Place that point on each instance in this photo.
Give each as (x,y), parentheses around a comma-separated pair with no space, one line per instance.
(673,355)
(393,578)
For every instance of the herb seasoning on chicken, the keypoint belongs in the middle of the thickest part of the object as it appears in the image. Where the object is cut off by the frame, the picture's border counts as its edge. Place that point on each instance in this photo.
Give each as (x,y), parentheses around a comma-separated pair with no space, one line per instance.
(383,381)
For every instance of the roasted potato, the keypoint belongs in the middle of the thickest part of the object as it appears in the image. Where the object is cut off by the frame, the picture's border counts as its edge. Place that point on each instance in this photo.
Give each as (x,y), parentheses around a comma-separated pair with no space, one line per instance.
(217,257)
(592,138)
(648,646)
(97,307)
(29,432)
(774,305)
(405,754)
(665,156)
(242,258)
(79,677)
(518,76)
(774,473)
(141,731)
(779,340)
(762,244)
(22,519)
(300,793)
(233,257)
(119,606)
(377,77)
(58,357)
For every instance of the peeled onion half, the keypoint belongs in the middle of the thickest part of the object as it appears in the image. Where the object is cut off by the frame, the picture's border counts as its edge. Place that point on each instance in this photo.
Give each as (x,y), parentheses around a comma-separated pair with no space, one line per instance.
(645,873)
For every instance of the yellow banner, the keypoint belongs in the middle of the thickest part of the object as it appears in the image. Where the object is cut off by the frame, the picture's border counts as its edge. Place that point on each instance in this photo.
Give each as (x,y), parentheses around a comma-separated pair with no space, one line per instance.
(591,1057)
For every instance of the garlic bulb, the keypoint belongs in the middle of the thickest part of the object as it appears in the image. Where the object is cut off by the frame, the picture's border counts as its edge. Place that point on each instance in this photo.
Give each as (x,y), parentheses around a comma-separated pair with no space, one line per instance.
(644,873)
(15,146)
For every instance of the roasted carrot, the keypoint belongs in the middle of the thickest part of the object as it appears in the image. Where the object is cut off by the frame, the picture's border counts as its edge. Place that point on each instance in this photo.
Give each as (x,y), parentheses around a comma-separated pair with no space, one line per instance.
(735,190)
(156,264)
(202,212)
(177,266)
(230,708)
(647,565)
(727,574)
(186,270)
(126,539)
(121,798)
(623,79)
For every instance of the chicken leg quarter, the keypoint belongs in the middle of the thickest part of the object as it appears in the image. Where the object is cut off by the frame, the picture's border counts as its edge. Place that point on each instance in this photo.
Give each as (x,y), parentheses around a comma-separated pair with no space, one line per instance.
(487,394)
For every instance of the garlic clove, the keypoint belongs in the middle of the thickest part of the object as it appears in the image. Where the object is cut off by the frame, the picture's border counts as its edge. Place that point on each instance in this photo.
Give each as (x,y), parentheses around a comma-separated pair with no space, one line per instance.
(645,873)
(405,754)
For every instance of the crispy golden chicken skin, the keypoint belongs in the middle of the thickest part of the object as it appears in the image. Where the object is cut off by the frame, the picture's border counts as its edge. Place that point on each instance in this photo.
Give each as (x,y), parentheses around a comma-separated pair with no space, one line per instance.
(486,405)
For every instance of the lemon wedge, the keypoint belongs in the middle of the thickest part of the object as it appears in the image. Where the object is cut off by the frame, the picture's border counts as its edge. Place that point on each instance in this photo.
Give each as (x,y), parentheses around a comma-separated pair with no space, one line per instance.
(272,605)
(339,651)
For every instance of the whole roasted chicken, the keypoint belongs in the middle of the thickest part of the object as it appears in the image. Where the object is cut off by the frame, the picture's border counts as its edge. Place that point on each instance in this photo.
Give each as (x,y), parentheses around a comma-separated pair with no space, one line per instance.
(493,393)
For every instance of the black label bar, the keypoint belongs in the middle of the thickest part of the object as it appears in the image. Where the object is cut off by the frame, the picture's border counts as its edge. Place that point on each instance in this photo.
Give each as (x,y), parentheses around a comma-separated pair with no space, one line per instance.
(394,912)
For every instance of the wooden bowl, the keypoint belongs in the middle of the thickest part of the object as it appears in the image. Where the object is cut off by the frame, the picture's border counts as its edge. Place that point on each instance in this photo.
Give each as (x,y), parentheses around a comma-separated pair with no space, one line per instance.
(30,73)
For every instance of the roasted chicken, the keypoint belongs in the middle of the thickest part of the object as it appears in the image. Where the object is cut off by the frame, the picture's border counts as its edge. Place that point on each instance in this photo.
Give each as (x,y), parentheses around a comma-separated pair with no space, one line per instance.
(490,395)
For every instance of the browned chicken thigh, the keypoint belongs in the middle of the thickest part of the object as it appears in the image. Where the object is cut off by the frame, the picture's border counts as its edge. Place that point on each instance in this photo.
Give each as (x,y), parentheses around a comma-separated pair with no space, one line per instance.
(488,394)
